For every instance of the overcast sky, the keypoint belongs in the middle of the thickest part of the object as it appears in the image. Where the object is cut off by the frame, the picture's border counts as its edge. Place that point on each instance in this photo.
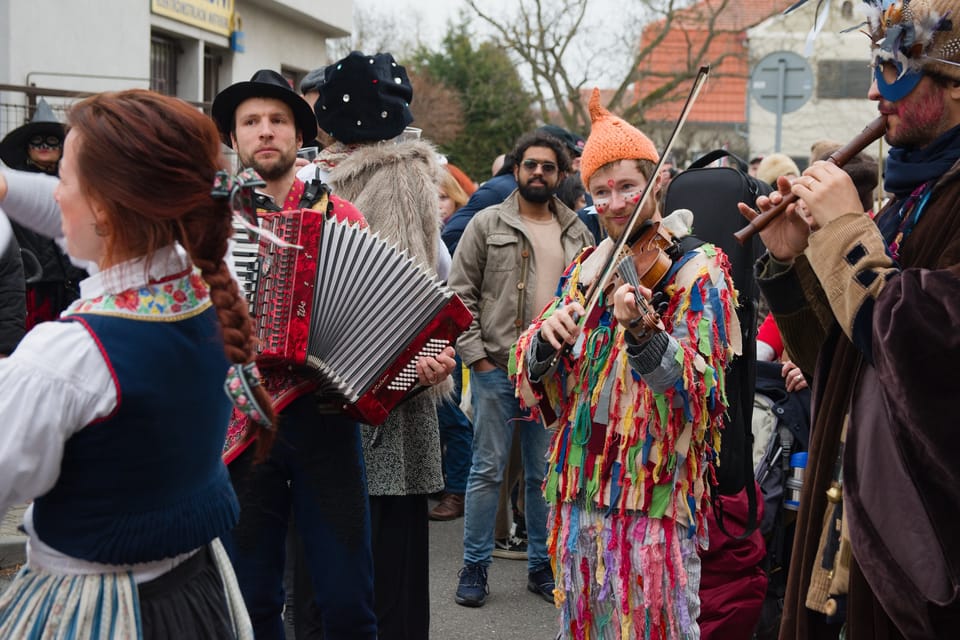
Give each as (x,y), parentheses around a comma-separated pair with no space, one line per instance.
(428,20)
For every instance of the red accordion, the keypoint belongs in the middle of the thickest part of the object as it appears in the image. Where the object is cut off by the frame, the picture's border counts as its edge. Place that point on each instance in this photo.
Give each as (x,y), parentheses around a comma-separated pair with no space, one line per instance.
(347,308)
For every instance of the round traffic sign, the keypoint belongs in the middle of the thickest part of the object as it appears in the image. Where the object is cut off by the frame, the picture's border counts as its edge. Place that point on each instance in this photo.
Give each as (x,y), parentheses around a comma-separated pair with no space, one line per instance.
(781,82)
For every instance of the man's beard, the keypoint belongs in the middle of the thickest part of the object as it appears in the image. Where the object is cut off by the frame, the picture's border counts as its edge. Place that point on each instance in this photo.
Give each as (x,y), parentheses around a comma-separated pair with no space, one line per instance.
(274,170)
(920,122)
(536,193)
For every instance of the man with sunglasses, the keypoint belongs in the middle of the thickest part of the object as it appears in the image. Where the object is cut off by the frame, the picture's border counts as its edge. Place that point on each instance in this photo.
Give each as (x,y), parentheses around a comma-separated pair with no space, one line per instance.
(52,281)
(506,269)
(869,307)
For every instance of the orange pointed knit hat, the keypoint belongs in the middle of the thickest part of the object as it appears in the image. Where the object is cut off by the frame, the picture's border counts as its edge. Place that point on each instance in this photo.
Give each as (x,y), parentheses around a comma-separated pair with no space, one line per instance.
(611,138)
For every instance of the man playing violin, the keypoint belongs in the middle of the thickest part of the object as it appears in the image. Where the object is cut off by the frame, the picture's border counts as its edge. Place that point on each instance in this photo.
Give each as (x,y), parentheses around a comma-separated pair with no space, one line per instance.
(869,307)
(635,392)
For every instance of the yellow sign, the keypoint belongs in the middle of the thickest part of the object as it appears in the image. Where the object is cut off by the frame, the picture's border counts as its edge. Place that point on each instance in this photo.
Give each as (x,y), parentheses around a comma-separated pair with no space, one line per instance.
(210,15)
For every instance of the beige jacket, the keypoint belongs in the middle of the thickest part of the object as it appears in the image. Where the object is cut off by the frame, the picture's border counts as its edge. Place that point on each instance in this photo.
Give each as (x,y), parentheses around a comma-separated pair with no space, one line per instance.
(494,271)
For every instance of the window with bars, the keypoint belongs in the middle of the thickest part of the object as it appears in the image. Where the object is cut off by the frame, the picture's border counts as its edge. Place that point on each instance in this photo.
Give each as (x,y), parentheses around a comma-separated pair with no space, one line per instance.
(843,79)
(163,64)
(212,60)
(293,76)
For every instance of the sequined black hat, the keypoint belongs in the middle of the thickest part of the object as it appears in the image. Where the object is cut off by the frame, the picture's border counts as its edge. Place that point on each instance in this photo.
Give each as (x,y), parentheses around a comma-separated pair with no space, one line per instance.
(364,98)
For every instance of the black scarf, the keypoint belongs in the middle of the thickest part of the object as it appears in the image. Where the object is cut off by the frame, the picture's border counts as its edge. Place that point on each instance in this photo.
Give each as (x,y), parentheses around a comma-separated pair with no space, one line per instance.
(908,168)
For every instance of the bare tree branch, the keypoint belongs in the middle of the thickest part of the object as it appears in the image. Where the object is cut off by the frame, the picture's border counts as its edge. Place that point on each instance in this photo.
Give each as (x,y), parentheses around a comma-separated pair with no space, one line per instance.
(547,40)
(375,30)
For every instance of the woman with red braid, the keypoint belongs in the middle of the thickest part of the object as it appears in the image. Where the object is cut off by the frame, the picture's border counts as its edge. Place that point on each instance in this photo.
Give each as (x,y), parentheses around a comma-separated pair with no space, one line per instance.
(114,416)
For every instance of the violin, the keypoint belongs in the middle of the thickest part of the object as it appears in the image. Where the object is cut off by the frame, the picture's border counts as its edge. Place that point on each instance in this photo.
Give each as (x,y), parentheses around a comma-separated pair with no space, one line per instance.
(644,261)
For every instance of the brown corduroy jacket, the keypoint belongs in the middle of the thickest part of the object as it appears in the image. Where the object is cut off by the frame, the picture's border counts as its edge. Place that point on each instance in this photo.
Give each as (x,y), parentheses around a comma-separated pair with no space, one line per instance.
(882,341)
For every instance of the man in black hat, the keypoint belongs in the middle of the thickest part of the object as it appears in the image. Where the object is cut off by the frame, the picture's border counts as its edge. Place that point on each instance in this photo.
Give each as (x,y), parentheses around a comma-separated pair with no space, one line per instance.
(52,281)
(315,468)
(265,121)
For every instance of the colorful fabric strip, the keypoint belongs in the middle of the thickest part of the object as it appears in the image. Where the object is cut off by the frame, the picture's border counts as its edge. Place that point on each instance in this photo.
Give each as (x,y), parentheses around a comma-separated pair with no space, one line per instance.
(239,385)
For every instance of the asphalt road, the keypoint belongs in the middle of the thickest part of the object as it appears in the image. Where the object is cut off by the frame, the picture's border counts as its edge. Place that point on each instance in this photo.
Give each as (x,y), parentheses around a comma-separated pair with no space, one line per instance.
(510,613)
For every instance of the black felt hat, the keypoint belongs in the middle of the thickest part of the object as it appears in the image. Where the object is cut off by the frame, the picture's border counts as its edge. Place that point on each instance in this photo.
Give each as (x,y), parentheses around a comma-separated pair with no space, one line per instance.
(313,80)
(364,98)
(13,148)
(265,83)
(570,140)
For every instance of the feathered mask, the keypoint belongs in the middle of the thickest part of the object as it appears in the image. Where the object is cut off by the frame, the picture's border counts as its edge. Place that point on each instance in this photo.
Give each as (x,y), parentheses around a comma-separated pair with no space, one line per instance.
(908,38)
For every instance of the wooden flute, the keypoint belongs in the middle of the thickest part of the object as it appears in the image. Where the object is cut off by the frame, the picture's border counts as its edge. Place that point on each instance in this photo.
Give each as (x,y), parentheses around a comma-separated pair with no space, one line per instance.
(840,157)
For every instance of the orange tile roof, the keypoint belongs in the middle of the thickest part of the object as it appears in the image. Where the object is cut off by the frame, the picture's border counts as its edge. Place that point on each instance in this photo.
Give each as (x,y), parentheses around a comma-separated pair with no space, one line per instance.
(723,99)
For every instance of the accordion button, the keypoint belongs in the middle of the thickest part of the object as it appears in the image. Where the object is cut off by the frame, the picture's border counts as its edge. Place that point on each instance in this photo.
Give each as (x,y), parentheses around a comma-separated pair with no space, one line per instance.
(520,286)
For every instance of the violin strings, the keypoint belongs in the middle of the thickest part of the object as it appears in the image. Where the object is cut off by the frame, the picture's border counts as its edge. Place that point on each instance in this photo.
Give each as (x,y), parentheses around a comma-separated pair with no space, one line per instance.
(628,272)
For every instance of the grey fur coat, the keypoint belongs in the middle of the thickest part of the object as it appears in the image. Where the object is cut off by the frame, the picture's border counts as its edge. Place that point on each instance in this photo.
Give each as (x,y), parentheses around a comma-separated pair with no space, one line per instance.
(395,186)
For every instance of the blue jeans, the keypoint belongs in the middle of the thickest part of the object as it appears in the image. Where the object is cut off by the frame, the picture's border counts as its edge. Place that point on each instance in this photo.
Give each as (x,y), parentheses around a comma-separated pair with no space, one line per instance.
(315,468)
(456,438)
(496,413)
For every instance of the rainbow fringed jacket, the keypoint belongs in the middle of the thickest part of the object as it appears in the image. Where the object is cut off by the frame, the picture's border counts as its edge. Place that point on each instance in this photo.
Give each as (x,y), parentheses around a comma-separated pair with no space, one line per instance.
(627,444)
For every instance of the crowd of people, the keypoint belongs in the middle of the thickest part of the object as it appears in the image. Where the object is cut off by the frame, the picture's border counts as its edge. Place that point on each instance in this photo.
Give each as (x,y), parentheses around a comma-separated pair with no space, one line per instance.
(577,423)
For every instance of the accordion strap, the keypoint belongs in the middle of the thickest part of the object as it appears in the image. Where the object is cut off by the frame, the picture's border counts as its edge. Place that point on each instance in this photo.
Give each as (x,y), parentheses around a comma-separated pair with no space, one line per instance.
(239,385)
(316,195)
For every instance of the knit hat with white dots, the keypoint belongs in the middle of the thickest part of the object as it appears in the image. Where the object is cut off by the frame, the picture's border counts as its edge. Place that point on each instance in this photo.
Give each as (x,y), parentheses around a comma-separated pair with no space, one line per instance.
(364,98)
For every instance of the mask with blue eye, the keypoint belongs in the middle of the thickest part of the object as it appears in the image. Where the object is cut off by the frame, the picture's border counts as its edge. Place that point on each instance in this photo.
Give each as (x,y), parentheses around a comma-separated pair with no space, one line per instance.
(905,82)
(898,43)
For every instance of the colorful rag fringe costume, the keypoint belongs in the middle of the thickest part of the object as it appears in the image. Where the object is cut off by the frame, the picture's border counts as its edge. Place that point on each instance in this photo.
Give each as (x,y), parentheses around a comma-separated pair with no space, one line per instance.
(628,464)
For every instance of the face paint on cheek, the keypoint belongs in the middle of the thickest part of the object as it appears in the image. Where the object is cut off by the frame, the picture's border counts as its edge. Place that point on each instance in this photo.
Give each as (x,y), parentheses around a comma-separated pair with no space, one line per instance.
(601,207)
(923,113)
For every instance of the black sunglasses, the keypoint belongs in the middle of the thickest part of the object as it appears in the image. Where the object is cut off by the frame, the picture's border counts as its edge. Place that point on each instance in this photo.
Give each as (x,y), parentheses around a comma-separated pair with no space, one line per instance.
(531,165)
(49,142)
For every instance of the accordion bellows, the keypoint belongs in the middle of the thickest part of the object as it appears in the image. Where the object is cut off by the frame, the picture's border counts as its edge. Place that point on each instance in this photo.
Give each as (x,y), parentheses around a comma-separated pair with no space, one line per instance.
(348,308)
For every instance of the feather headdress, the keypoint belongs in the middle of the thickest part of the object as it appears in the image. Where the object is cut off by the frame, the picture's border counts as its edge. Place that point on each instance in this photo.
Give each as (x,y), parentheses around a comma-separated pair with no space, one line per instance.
(919,36)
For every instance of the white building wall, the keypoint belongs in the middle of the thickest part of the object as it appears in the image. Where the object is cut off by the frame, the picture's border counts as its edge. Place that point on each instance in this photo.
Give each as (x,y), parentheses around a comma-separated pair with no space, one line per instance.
(272,42)
(55,44)
(4,37)
(818,119)
(103,45)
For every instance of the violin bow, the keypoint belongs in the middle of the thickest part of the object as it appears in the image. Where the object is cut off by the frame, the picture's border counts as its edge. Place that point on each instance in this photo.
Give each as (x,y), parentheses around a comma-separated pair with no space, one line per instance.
(593,293)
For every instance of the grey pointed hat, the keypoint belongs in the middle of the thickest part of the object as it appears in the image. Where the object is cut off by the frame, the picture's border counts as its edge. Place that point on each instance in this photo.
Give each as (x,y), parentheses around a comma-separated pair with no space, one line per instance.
(13,148)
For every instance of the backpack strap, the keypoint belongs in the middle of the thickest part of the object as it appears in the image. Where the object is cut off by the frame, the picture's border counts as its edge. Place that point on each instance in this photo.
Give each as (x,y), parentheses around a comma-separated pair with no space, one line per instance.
(680,254)
(712,156)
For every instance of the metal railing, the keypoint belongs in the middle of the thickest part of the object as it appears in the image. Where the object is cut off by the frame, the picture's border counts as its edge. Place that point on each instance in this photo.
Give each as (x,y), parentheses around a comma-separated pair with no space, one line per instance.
(15,112)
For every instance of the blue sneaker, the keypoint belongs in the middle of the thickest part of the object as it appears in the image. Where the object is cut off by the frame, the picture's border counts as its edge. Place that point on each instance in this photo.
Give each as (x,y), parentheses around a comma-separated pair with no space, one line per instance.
(540,581)
(472,590)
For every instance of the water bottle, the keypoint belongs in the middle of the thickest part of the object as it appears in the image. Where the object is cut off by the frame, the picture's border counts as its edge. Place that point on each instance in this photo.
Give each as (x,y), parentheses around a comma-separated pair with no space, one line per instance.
(798,463)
